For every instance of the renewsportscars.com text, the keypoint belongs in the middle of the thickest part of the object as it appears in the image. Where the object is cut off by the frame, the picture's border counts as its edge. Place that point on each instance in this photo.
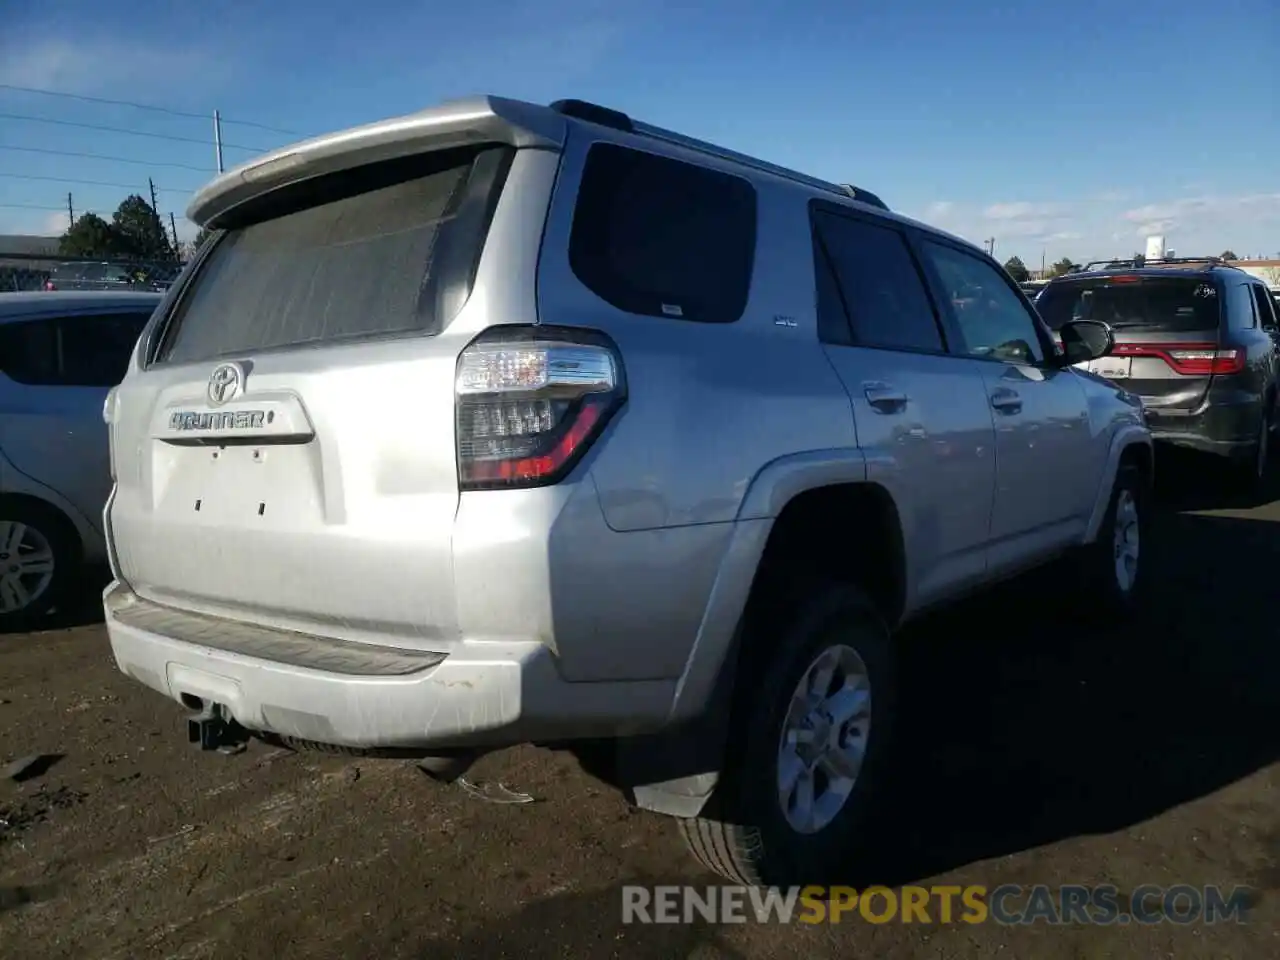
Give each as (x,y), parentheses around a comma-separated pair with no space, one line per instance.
(1006,904)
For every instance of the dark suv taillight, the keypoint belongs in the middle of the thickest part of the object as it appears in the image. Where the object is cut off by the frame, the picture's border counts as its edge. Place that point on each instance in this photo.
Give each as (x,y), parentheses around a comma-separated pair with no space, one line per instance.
(530,401)
(1189,359)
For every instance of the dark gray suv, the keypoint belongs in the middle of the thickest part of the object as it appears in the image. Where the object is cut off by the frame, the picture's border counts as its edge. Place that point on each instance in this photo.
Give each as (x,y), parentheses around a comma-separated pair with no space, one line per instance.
(1196,339)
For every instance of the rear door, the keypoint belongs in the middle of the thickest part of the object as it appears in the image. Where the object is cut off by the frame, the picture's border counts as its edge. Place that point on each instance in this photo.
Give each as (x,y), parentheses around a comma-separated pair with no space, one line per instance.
(921,413)
(288,449)
(1167,330)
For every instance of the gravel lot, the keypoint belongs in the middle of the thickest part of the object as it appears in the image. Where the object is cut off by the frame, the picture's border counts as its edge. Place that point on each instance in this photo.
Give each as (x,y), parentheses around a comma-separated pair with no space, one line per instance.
(1038,750)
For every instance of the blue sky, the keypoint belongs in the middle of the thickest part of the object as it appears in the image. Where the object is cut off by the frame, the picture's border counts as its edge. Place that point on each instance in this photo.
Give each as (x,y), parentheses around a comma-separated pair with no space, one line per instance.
(1058,129)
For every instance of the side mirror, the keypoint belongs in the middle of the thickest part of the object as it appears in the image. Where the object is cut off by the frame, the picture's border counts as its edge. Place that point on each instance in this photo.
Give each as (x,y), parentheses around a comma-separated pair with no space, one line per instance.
(1084,340)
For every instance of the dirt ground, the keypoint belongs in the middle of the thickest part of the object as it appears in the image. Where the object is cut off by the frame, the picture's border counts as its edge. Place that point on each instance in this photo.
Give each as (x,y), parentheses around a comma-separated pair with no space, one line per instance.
(1037,749)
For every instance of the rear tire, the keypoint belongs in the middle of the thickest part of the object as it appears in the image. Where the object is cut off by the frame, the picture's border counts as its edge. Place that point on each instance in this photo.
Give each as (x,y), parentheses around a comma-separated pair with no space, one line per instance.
(1254,470)
(39,557)
(747,835)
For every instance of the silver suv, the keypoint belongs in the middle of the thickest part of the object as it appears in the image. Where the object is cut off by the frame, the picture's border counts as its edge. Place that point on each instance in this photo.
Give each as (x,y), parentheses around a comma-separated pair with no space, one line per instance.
(505,423)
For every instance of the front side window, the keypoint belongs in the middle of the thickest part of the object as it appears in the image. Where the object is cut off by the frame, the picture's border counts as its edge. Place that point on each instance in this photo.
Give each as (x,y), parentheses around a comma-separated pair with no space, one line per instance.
(992,318)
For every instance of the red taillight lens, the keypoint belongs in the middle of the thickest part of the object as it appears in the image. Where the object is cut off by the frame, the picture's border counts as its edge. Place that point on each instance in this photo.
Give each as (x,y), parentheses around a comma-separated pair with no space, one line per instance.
(48,285)
(530,401)
(1189,359)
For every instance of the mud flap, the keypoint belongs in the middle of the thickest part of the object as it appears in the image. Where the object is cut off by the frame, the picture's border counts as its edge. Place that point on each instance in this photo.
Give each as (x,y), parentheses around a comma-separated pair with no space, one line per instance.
(675,772)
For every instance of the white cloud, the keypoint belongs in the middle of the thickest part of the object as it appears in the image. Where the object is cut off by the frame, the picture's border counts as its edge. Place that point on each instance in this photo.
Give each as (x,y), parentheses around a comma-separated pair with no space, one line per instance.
(1021,210)
(55,225)
(103,65)
(1098,224)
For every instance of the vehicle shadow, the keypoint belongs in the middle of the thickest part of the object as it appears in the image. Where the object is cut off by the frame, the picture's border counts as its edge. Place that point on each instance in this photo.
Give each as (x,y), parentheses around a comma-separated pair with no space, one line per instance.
(81,607)
(1026,722)
(584,925)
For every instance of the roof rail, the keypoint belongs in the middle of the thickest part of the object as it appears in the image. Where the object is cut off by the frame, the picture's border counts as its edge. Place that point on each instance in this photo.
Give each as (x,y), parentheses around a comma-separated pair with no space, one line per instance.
(616,120)
(1134,263)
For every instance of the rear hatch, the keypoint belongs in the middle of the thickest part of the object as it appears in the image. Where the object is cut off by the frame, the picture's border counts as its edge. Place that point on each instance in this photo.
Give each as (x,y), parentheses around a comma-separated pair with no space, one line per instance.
(288,454)
(1167,331)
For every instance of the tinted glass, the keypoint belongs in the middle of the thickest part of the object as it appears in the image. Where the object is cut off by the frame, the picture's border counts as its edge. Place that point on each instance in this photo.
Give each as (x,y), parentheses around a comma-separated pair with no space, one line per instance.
(1242,311)
(663,238)
(1266,307)
(1161,304)
(73,351)
(880,288)
(992,318)
(95,350)
(380,251)
(29,351)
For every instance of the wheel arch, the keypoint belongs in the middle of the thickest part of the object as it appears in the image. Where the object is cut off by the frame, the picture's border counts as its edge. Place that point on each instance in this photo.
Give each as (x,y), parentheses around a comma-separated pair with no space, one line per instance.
(676,770)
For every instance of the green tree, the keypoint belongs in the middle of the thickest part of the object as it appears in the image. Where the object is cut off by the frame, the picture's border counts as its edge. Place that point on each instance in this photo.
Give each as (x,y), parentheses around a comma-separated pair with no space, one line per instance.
(1017,269)
(91,236)
(1062,266)
(140,227)
(1229,255)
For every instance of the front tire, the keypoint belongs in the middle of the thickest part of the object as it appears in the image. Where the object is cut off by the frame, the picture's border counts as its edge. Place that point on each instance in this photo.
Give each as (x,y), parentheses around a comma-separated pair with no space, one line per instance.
(800,783)
(1113,564)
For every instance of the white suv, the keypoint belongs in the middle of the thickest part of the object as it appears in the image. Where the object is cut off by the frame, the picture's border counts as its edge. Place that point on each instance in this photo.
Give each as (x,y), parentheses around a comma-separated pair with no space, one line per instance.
(503,422)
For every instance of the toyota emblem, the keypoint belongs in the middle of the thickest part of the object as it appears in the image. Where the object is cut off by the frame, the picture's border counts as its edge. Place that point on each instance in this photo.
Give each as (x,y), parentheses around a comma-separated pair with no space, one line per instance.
(226,383)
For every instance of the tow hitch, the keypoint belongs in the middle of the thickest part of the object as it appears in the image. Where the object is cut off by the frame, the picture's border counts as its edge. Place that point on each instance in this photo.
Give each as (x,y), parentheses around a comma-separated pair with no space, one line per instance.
(213,728)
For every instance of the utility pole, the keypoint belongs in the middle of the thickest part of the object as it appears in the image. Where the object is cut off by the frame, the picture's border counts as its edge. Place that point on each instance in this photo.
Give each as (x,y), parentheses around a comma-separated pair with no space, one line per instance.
(217,137)
(155,211)
(173,226)
(991,247)
(71,213)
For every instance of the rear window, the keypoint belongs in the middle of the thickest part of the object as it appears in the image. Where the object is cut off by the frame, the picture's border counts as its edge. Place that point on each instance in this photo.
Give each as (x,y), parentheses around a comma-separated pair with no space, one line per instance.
(385,250)
(663,238)
(1162,304)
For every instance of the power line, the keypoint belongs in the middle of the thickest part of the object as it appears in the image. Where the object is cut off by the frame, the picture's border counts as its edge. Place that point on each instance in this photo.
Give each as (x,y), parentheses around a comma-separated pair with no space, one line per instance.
(142,106)
(100,156)
(89,183)
(123,130)
(30,206)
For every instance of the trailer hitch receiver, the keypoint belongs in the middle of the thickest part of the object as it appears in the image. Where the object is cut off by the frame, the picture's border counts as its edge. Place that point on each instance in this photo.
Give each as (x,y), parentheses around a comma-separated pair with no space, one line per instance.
(213,728)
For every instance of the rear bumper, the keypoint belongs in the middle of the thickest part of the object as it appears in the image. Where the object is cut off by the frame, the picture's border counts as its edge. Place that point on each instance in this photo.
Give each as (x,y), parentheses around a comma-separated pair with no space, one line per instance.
(480,693)
(1225,426)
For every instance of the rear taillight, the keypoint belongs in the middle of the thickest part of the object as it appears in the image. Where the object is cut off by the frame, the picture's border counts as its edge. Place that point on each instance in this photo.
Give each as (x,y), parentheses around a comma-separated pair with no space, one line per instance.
(530,401)
(48,285)
(1189,359)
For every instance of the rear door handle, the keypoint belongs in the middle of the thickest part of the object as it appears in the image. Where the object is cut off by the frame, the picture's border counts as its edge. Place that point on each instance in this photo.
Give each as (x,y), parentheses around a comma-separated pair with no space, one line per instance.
(1006,401)
(884,398)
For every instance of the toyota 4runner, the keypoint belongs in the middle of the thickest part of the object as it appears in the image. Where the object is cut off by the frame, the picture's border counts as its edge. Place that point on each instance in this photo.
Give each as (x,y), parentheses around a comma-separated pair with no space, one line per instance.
(505,423)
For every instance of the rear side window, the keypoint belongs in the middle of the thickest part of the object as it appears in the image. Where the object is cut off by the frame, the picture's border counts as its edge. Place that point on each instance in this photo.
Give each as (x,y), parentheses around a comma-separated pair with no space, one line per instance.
(1156,304)
(880,288)
(1266,307)
(385,250)
(95,350)
(1242,311)
(663,238)
(88,350)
